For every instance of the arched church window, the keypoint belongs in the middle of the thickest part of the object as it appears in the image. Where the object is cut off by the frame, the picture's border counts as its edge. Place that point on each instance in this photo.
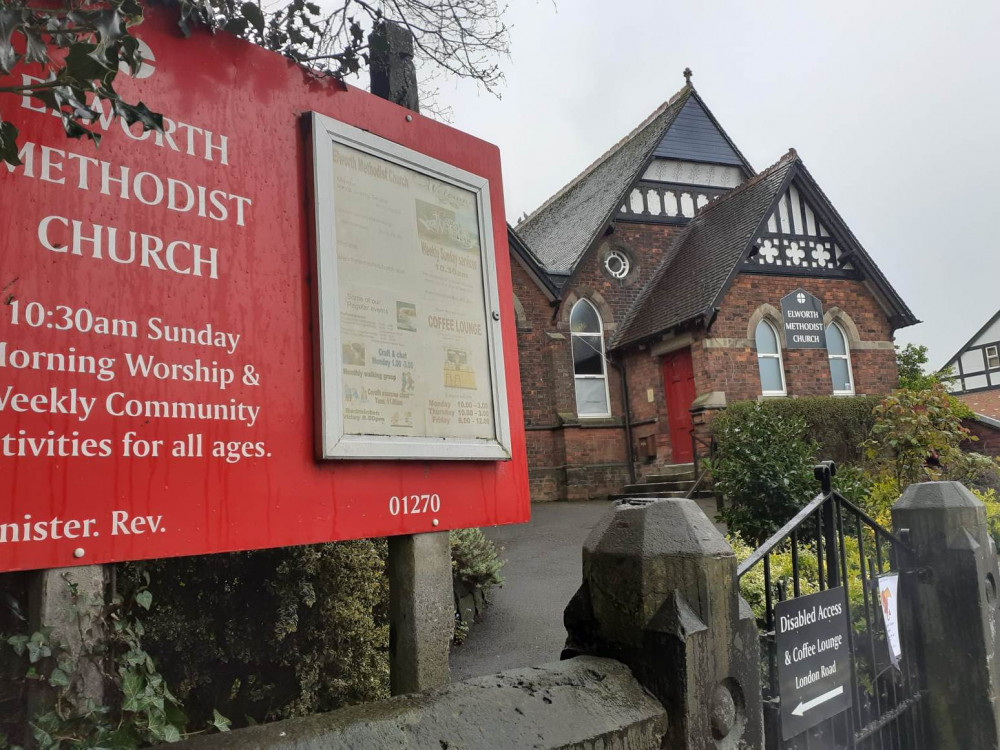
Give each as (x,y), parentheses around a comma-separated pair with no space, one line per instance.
(772,371)
(840,360)
(589,373)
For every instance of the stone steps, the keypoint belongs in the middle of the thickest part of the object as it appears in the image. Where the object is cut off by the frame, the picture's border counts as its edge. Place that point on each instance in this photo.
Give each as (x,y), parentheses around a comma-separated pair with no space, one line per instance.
(673,473)
(659,493)
(670,481)
(658,486)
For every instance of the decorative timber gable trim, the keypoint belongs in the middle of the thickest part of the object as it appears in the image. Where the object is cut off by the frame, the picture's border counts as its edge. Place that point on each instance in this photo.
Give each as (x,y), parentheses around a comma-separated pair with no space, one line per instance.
(796,240)
(652,202)
(694,136)
(804,235)
(976,366)
(725,239)
(665,203)
(567,227)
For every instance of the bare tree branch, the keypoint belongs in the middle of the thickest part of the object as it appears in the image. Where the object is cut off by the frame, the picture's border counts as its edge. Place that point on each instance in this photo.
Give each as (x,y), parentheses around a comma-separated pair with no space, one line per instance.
(82,44)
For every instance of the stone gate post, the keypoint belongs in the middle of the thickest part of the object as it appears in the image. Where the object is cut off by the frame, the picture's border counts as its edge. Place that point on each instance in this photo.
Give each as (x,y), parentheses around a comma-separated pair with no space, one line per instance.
(955,612)
(660,594)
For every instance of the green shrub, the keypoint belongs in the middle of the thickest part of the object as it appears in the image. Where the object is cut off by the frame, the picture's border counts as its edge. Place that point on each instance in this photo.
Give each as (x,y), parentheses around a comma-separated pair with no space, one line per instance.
(992,503)
(837,425)
(762,469)
(475,569)
(270,634)
(782,578)
(912,426)
(752,583)
(853,482)
(475,559)
(976,471)
(910,362)
(266,635)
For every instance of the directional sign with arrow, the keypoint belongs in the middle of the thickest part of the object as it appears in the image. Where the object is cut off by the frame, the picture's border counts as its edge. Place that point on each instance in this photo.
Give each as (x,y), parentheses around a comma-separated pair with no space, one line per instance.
(814,660)
(800,710)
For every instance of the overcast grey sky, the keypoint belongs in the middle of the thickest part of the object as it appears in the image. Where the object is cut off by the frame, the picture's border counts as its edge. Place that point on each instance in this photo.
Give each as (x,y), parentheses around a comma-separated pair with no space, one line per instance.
(893,106)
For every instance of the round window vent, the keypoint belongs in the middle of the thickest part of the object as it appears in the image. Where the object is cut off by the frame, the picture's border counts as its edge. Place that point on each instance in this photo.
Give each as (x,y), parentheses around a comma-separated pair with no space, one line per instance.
(616,263)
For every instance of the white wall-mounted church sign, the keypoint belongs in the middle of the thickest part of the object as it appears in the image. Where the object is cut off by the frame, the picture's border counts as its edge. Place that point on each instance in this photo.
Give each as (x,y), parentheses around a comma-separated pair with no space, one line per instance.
(802,320)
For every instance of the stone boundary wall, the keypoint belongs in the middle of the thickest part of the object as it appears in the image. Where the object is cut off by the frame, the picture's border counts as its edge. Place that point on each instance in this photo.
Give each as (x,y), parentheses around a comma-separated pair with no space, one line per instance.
(579,704)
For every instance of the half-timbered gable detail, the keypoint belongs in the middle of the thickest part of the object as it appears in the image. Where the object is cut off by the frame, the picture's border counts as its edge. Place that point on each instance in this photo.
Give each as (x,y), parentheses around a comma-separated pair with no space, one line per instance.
(796,239)
(976,371)
(694,163)
(976,366)
(731,234)
(805,236)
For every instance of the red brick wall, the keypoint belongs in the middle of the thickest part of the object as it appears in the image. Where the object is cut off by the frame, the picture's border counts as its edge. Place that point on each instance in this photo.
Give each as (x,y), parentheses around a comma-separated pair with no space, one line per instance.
(649,418)
(566,460)
(570,460)
(989,438)
(644,245)
(807,371)
(733,369)
(546,453)
(532,346)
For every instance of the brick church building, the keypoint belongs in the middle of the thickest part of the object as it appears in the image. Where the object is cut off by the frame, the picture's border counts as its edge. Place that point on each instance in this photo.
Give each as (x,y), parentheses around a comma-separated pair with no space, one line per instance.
(658,285)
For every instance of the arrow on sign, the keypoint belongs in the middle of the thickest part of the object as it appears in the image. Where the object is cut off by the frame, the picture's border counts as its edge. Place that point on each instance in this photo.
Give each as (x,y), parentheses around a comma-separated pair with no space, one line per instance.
(801,709)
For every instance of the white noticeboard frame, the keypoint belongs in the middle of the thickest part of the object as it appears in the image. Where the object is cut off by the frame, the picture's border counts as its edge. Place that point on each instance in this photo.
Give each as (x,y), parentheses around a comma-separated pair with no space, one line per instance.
(334,441)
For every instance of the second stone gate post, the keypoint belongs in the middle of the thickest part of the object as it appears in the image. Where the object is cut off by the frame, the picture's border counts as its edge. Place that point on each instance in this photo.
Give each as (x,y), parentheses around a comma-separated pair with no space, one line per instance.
(660,593)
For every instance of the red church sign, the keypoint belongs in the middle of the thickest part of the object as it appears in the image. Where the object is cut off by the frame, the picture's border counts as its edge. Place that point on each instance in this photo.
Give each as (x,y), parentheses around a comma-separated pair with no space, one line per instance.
(285,319)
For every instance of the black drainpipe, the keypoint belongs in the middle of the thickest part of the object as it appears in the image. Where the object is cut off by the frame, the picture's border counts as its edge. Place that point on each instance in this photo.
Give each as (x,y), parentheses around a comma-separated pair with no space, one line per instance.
(620,366)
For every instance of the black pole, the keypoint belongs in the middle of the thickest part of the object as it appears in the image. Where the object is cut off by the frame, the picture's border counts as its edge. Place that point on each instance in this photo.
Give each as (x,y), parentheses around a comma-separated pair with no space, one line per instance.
(626,408)
(824,472)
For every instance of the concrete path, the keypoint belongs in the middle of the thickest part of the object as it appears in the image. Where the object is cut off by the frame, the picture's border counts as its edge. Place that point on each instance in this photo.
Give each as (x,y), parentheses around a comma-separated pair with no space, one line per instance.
(523,625)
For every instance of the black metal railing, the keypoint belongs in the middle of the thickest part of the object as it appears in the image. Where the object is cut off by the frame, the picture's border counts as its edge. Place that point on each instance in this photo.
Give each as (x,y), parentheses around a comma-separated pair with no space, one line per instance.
(830,543)
(698,456)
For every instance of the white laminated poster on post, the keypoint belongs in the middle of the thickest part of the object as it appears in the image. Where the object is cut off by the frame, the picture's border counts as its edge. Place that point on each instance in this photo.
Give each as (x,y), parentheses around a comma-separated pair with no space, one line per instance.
(888,588)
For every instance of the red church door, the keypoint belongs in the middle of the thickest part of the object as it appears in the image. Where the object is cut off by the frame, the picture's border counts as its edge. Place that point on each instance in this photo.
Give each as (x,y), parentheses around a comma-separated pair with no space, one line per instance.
(678,385)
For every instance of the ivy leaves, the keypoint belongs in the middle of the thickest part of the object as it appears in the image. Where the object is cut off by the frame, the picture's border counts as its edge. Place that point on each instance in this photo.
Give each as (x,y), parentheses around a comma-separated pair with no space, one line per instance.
(143,711)
(80,48)
(36,646)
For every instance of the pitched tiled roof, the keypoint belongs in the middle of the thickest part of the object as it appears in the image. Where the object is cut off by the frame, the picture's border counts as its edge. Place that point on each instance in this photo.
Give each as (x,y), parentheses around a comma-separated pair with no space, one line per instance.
(563,227)
(983,403)
(532,265)
(699,263)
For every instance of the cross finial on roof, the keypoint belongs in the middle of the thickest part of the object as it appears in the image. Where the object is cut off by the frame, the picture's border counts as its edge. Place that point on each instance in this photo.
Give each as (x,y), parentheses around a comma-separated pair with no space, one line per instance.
(687,76)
